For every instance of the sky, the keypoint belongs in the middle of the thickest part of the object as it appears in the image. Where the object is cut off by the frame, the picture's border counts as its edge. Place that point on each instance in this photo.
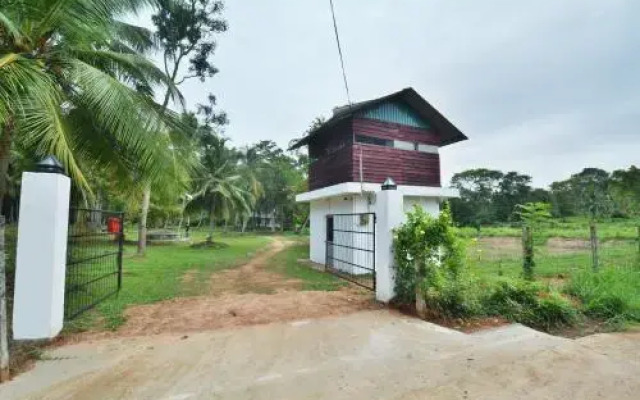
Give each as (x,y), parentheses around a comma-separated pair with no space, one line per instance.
(542,87)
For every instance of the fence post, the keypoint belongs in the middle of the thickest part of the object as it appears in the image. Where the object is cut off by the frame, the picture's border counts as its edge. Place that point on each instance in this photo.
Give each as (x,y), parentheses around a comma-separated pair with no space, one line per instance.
(638,240)
(527,253)
(38,310)
(593,236)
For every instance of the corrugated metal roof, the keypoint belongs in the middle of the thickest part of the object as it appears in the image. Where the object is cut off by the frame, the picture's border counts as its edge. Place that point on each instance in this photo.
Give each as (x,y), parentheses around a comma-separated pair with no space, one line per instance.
(396,112)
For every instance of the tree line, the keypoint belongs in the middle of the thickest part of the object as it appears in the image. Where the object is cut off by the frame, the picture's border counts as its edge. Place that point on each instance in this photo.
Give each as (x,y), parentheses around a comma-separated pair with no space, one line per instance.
(490,196)
(77,81)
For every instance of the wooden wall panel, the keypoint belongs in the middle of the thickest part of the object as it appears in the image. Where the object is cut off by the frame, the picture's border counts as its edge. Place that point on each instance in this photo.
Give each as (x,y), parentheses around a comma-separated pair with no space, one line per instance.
(331,169)
(404,166)
(388,130)
(337,158)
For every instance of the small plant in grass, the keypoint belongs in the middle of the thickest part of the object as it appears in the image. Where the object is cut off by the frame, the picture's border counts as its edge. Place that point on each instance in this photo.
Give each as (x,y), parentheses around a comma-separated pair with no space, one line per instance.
(612,294)
(530,304)
(533,216)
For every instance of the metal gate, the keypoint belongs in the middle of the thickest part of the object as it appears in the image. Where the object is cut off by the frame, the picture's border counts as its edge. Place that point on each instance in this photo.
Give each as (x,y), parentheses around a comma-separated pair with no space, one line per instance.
(351,247)
(94,259)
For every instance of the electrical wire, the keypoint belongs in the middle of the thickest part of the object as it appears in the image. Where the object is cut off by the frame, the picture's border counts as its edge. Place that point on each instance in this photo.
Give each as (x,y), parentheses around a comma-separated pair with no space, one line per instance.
(344,73)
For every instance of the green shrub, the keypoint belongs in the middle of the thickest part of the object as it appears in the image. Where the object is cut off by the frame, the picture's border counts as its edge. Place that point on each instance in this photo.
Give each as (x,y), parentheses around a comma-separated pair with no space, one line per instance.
(425,246)
(453,298)
(428,257)
(553,311)
(612,294)
(530,304)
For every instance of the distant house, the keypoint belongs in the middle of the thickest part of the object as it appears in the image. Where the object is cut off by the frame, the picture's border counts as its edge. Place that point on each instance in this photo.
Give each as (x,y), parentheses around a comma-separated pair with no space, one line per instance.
(263,220)
(396,136)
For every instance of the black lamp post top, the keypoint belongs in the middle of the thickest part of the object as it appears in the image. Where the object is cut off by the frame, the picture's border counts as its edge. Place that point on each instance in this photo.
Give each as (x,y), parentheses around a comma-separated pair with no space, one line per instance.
(50,164)
(389,184)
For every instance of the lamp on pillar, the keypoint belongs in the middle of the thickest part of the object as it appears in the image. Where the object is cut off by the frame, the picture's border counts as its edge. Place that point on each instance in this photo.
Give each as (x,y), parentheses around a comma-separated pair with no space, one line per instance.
(389,184)
(51,165)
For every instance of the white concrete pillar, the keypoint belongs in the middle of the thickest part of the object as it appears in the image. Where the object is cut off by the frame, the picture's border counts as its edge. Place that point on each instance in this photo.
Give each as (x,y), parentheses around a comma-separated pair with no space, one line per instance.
(389,215)
(38,309)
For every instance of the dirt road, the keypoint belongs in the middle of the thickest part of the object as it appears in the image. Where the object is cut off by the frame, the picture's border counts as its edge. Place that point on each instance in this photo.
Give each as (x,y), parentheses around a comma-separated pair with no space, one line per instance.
(247,295)
(366,355)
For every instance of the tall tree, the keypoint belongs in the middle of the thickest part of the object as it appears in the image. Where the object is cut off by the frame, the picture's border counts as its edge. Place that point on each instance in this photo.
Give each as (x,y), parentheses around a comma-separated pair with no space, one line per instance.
(186,30)
(73,83)
(585,193)
(624,187)
(67,87)
(513,189)
(477,188)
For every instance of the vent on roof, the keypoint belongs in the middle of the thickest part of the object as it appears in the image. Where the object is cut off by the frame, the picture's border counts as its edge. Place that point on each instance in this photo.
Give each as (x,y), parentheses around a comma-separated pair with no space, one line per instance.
(340,109)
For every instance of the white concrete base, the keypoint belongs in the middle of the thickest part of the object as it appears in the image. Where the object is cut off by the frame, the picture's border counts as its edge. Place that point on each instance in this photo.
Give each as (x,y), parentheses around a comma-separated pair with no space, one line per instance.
(354,203)
(390,208)
(38,310)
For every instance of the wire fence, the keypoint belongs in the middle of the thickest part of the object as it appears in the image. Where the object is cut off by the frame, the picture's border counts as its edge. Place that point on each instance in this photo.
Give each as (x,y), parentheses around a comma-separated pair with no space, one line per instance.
(553,256)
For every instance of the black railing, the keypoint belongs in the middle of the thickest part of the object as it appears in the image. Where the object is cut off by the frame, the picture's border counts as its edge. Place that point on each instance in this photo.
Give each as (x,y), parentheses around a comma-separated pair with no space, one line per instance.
(351,247)
(94,259)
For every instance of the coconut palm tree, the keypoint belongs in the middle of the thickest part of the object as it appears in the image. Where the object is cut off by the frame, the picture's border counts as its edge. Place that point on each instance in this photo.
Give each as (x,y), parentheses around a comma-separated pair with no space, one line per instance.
(74,82)
(220,184)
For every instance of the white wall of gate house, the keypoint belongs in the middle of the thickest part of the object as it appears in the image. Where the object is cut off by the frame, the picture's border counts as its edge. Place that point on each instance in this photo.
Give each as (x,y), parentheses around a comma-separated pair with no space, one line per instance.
(354,197)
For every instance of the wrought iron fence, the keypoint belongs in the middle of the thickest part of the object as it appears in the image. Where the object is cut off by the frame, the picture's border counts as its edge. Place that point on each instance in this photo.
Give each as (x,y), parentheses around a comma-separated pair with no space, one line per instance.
(350,248)
(94,258)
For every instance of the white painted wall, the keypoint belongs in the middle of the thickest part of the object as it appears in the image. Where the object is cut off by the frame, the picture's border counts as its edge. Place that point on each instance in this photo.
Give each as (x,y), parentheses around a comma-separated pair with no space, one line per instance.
(317,228)
(430,204)
(353,204)
(318,223)
(38,309)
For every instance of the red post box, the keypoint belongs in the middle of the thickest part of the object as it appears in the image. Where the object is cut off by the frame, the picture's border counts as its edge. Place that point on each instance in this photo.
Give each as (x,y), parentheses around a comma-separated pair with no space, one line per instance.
(113,225)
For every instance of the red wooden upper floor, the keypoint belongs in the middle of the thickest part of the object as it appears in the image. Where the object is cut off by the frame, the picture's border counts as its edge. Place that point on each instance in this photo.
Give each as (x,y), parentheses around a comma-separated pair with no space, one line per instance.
(397,136)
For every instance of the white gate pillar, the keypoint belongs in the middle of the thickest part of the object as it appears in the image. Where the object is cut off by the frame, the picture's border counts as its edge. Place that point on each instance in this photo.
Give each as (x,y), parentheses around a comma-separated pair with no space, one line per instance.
(38,308)
(389,215)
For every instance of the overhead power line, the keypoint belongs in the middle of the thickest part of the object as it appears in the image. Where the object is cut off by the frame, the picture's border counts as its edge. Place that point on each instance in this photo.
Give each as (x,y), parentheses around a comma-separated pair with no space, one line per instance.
(344,73)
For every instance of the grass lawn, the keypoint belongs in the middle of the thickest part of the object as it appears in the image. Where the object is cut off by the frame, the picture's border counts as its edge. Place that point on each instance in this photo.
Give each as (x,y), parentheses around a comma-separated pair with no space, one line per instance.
(548,264)
(605,300)
(158,276)
(287,264)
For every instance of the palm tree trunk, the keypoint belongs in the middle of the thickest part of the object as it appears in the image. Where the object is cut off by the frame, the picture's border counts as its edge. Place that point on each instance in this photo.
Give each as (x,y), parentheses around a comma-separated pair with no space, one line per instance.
(5,158)
(144,210)
(4,319)
(142,222)
(304,225)
(201,218)
(245,220)
(212,221)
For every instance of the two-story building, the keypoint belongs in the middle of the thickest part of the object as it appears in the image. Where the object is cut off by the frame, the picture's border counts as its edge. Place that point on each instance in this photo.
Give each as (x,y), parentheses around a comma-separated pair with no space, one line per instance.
(396,136)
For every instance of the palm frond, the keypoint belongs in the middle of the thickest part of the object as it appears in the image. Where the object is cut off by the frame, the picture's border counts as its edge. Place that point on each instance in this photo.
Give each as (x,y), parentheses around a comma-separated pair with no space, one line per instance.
(9,26)
(141,39)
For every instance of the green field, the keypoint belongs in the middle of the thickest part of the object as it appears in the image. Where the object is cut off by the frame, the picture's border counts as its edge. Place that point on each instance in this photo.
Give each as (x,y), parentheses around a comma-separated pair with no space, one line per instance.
(557,258)
(571,228)
(567,282)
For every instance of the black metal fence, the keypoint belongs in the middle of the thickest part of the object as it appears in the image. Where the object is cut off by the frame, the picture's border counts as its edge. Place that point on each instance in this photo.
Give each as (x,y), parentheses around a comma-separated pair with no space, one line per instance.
(94,259)
(351,246)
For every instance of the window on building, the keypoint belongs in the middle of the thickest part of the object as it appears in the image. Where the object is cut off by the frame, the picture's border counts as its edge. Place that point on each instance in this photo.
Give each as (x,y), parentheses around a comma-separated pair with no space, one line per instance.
(397,144)
(374,140)
(401,144)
